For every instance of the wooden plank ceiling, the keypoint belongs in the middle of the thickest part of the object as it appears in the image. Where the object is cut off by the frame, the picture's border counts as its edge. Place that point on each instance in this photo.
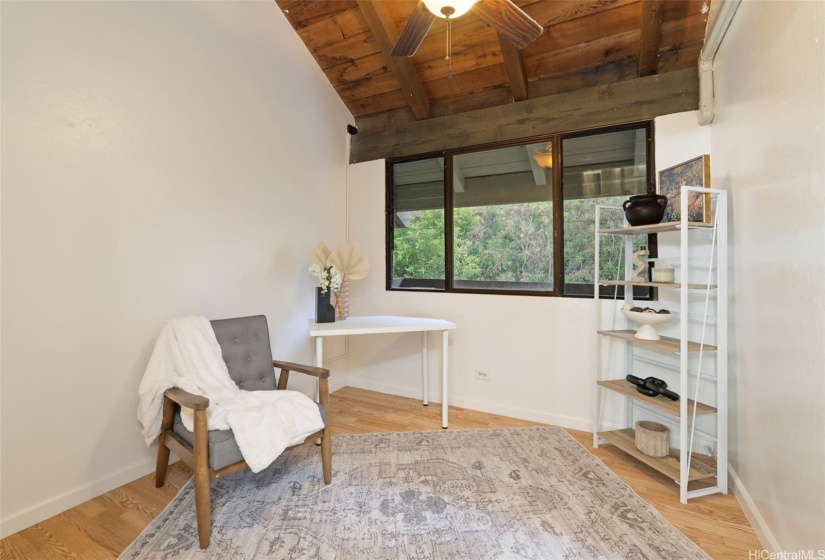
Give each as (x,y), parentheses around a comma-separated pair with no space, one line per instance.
(585,43)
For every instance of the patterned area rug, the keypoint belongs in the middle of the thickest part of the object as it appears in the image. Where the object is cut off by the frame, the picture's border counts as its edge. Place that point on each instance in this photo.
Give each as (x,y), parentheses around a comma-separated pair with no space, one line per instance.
(460,494)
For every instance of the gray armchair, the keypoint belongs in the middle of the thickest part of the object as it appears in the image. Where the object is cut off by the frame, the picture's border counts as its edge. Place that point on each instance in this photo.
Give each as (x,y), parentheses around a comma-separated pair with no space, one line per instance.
(212,454)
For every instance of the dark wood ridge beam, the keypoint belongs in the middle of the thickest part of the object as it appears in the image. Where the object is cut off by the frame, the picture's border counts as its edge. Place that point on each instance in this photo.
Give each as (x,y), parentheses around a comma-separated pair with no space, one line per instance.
(632,100)
(514,67)
(401,67)
(651,36)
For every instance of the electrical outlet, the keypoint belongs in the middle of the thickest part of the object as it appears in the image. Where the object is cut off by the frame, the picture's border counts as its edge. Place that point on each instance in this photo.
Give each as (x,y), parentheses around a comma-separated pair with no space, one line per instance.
(482,375)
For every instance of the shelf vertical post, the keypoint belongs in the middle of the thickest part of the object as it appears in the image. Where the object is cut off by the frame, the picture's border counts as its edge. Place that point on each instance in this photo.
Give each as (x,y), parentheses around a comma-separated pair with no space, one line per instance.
(596,319)
(628,347)
(720,216)
(684,279)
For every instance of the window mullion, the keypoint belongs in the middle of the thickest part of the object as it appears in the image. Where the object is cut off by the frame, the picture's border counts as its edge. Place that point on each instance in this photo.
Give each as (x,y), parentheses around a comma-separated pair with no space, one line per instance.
(389,210)
(558,219)
(448,221)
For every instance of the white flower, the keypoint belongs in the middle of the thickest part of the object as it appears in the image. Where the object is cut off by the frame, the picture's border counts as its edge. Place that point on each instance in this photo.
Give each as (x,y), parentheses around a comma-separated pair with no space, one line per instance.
(335,279)
(328,277)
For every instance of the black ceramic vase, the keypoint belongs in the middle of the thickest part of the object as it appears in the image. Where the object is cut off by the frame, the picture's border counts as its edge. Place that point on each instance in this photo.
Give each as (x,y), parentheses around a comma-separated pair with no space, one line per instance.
(644,209)
(324,311)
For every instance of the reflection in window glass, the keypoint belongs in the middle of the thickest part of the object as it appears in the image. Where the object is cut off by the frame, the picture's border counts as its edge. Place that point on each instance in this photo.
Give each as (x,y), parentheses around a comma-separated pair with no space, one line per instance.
(418,224)
(503,219)
(599,169)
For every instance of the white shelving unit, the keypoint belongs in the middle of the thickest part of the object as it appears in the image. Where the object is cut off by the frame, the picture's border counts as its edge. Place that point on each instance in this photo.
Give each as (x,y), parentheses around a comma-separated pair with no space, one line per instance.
(696,474)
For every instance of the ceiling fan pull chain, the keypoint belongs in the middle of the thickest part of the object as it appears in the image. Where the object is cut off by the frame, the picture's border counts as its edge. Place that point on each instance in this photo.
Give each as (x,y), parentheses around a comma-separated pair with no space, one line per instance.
(449,40)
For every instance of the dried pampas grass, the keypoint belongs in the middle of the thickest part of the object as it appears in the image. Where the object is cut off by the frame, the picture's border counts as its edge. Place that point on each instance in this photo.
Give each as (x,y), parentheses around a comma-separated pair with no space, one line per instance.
(320,254)
(350,261)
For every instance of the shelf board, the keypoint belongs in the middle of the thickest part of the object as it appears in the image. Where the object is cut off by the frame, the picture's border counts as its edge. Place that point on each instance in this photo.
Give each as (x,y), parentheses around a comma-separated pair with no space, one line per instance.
(665,343)
(664,404)
(656,284)
(668,465)
(654,228)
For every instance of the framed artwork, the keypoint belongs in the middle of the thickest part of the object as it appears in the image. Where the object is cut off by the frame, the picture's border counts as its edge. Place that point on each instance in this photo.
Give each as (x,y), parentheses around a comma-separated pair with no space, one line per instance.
(692,173)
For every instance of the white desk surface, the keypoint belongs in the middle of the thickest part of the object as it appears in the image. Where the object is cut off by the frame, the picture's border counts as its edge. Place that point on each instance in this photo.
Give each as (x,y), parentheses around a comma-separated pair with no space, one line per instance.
(377,325)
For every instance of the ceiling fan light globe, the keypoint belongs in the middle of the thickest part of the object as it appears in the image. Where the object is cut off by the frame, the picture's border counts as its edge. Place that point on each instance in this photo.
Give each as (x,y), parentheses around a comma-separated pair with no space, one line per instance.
(544,159)
(458,7)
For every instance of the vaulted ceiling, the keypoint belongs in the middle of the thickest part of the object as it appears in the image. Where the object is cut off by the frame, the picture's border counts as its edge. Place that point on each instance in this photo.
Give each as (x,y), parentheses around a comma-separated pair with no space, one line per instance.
(585,43)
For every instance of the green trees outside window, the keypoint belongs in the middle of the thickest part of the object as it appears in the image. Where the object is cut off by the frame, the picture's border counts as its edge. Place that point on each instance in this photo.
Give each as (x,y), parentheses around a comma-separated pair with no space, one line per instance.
(497,229)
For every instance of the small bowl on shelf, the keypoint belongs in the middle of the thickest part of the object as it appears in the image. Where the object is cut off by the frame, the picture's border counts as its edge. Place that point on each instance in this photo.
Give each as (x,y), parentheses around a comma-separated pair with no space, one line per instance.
(647,320)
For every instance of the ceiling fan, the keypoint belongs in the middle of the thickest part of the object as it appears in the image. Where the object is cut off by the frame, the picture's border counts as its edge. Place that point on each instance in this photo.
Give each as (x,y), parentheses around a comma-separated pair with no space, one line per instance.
(504,16)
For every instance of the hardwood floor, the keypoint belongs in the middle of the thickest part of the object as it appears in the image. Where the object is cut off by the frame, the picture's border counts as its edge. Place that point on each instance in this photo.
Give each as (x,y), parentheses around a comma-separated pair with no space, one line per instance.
(103,527)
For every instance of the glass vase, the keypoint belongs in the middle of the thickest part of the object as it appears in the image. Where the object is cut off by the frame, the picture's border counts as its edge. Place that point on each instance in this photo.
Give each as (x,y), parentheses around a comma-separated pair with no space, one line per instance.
(342,301)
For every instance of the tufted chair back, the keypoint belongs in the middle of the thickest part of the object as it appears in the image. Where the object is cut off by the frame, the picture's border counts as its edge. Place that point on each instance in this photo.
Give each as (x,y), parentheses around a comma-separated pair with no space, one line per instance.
(245,347)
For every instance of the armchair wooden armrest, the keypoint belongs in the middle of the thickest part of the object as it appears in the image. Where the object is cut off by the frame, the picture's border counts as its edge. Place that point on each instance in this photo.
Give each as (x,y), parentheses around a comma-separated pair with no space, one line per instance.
(320,373)
(187,400)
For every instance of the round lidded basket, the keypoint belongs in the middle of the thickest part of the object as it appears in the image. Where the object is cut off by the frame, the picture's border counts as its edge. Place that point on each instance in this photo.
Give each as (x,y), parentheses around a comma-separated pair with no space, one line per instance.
(652,438)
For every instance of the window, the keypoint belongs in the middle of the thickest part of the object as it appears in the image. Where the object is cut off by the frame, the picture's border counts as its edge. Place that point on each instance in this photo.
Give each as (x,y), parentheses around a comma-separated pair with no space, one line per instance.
(600,169)
(502,210)
(513,218)
(416,222)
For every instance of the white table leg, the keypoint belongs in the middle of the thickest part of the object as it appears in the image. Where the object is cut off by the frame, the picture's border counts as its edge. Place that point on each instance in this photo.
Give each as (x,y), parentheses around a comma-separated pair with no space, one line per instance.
(444,346)
(319,362)
(425,398)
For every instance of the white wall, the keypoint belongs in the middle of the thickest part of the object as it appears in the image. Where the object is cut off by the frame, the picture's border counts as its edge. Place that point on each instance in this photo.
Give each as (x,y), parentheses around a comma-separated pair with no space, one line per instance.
(769,152)
(537,351)
(158,159)
(679,138)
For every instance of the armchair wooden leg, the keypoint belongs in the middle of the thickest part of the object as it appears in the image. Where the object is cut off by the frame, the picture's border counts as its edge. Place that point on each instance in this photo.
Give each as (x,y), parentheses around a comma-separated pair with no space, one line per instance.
(203,503)
(326,439)
(326,455)
(162,462)
(163,451)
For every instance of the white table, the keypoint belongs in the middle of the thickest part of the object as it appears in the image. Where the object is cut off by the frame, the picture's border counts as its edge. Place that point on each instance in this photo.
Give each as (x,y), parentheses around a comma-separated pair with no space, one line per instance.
(388,324)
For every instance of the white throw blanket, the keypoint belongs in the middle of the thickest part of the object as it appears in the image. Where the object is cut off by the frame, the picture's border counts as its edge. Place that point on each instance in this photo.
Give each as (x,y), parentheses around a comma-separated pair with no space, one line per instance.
(187,355)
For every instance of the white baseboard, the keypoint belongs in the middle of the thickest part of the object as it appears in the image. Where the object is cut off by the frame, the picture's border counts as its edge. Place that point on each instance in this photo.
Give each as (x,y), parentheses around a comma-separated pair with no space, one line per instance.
(583,424)
(338,382)
(70,498)
(763,532)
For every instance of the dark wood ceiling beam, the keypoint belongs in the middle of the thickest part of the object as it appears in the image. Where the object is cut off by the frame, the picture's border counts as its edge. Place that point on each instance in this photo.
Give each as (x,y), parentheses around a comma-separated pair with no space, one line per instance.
(500,95)
(651,36)
(634,100)
(402,68)
(514,66)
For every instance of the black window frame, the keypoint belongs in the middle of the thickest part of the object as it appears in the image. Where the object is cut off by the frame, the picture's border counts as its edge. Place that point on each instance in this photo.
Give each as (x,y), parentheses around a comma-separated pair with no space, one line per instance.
(557,139)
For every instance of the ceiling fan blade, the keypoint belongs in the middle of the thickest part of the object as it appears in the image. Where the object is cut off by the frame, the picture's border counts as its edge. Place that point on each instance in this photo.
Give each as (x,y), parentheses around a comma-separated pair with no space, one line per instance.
(413,35)
(509,20)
